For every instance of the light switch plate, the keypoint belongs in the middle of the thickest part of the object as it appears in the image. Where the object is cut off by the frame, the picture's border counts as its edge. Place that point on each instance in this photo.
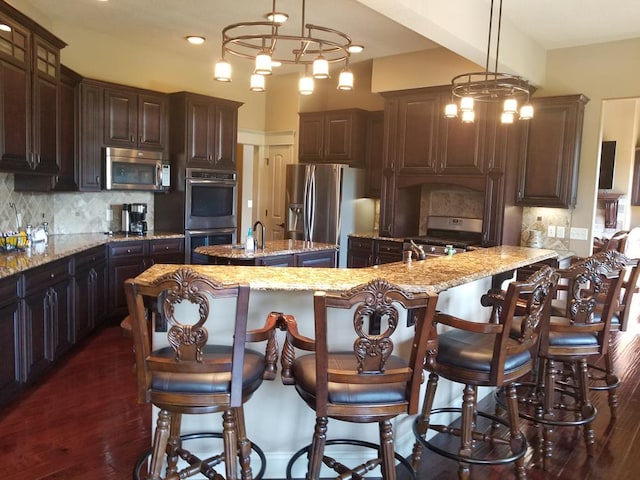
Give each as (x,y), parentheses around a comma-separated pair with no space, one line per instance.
(578,233)
(551,231)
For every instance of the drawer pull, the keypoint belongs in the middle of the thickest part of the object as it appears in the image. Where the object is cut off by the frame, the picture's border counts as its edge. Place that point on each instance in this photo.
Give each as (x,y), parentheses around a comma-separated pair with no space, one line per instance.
(52,275)
(128,250)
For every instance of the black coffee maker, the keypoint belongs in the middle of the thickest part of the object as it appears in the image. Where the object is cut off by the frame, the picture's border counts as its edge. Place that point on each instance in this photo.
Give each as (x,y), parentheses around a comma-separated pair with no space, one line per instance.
(137,218)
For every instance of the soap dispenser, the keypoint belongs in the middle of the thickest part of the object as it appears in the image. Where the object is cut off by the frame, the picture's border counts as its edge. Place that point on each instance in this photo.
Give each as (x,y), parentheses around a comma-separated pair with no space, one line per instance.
(250,245)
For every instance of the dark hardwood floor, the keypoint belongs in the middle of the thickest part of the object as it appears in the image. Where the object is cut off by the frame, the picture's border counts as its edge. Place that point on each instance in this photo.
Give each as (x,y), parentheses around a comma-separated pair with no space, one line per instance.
(83,422)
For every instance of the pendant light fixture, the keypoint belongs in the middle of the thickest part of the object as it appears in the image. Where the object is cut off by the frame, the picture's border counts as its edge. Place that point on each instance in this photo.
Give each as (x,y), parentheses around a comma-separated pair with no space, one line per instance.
(490,86)
(268,46)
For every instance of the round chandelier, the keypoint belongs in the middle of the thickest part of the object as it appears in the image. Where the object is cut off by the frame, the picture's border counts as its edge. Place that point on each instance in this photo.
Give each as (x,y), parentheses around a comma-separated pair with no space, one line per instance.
(491,86)
(264,43)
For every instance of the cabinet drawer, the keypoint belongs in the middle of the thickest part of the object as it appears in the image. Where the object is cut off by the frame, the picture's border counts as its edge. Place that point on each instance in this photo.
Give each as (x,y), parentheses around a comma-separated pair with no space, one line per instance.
(360,243)
(44,277)
(389,247)
(9,290)
(126,249)
(167,245)
(90,257)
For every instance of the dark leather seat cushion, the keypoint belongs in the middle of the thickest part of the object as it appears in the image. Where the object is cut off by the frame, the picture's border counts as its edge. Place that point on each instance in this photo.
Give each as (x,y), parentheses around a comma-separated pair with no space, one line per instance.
(304,370)
(474,351)
(570,339)
(208,383)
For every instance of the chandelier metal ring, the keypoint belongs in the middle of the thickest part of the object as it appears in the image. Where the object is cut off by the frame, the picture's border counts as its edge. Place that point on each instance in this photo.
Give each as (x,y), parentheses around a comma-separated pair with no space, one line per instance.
(249,44)
(490,86)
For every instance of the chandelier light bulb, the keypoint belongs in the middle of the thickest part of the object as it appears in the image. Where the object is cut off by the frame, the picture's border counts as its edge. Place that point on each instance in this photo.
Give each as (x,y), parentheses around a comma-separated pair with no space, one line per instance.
(345,80)
(277,17)
(305,85)
(507,117)
(451,110)
(510,105)
(263,63)
(320,68)
(526,112)
(256,83)
(466,104)
(468,116)
(222,71)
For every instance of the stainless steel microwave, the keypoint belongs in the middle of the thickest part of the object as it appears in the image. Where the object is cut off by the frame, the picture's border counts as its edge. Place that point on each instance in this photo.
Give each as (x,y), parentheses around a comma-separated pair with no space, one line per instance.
(128,169)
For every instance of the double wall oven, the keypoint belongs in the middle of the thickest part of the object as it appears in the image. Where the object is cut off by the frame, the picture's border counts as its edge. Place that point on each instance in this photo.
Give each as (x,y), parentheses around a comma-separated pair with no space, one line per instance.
(205,210)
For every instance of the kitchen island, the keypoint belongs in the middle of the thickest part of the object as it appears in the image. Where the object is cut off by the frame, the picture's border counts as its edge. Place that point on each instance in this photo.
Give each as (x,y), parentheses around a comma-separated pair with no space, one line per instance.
(460,280)
(276,253)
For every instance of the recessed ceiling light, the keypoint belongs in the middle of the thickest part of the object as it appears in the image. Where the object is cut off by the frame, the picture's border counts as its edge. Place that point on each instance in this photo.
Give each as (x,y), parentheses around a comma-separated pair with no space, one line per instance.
(4,27)
(195,39)
(356,48)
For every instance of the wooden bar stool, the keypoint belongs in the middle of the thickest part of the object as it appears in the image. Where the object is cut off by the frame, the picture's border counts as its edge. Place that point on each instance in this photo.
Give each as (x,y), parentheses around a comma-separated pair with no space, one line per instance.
(559,395)
(485,354)
(193,375)
(372,382)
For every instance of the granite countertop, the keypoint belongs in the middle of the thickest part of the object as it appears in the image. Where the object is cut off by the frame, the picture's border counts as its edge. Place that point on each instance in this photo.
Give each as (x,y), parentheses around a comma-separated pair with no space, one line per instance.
(272,248)
(375,235)
(434,275)
(60,246)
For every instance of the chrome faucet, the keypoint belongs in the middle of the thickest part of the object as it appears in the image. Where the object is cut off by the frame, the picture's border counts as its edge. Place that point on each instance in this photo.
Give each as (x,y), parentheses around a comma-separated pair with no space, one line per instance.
(263,234)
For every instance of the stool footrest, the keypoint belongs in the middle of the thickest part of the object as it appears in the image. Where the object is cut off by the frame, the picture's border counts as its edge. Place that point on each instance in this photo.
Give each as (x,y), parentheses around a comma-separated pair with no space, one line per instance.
(517,447)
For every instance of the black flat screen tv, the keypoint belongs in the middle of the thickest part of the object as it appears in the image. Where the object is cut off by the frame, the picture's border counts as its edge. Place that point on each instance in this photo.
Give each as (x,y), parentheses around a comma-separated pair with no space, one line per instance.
(607,162)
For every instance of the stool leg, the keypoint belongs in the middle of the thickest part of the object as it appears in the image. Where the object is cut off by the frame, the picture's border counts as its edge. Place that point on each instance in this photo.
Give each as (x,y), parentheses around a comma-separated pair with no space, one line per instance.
(466,433)
(387,450)
(174,444)
(612,379)
(423,419)
(317,448)
(230,441)
(517,440)
(160,439)
(244,445)
(550,372)
(586,406)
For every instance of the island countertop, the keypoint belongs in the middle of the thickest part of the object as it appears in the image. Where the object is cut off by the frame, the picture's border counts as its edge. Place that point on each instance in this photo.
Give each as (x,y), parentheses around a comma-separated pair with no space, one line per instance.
(433,275)
(272,248)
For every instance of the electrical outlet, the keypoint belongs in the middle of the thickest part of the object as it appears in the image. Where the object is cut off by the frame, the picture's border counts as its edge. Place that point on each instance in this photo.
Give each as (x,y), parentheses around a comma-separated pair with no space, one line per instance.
(249,203)
(560,232)
(578,233)
(109,214)
(551,231)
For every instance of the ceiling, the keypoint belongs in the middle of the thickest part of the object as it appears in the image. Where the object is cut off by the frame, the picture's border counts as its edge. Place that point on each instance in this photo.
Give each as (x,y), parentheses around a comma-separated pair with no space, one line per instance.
(165,23)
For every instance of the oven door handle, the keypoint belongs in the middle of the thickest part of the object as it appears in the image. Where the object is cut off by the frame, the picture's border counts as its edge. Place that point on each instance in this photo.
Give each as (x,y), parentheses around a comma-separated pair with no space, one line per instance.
(198,181)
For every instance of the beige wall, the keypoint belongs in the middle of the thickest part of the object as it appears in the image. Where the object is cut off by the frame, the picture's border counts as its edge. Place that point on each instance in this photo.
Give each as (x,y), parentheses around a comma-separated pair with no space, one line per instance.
(601,72)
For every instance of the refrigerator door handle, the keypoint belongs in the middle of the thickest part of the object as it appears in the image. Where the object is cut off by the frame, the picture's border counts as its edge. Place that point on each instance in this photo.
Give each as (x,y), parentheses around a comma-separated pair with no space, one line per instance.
(310,203)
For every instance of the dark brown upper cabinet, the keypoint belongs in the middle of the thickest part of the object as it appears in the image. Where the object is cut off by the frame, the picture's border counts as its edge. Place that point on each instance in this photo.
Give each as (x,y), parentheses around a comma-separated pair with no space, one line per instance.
(333,136)
(29,79)
(135,118)
(550,152)
(422,141)
(204,131)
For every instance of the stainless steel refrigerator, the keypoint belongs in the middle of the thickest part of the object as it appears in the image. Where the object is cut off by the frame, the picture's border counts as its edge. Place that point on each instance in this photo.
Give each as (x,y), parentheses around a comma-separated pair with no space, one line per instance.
(325,204)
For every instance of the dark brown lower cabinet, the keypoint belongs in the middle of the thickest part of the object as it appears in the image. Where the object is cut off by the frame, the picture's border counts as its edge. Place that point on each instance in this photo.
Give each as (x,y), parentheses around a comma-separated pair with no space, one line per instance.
(10,367)
(320,259)
(90,291)
(48,308)
(360,252)
(130,258)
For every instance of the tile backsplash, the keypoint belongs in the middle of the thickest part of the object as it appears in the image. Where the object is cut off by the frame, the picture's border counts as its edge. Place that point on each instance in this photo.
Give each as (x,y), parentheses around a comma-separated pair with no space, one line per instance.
(68,212)
(539,218)
(450,201)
